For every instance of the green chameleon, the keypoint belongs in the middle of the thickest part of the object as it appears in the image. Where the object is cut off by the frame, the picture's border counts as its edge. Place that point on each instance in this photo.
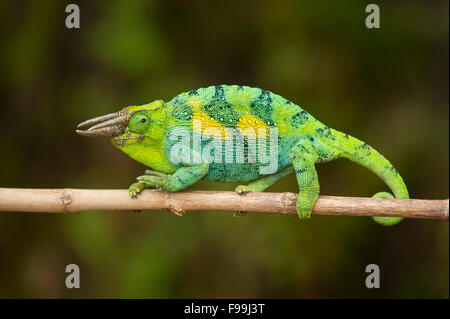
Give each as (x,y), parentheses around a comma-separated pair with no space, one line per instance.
(186,139)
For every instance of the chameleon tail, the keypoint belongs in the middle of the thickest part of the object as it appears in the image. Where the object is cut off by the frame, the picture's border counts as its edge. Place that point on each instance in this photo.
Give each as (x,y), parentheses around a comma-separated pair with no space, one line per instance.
(363,154)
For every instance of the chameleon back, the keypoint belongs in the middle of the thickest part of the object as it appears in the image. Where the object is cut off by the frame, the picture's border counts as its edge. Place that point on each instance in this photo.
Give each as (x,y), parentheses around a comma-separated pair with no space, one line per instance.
(221,111)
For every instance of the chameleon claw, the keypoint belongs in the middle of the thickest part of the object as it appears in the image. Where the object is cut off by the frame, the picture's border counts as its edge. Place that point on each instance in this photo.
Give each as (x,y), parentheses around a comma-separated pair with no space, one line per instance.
(135,189)
(133,194)
(304,213)
(238,213)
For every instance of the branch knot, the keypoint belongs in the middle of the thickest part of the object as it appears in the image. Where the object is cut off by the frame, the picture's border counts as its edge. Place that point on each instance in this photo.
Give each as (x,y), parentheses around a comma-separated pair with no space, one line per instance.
(66,199)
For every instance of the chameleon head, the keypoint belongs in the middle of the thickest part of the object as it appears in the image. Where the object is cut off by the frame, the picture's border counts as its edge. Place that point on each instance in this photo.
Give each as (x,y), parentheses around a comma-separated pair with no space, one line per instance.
(131,125)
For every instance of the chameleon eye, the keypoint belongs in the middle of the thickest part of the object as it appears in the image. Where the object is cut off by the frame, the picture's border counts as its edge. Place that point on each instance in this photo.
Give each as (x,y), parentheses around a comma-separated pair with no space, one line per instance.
(138,123)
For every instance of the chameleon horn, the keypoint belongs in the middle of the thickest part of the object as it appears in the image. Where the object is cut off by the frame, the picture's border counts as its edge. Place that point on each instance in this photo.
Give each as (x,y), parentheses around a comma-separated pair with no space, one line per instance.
(122,119)
(98,119)
(112,130)
(107,125)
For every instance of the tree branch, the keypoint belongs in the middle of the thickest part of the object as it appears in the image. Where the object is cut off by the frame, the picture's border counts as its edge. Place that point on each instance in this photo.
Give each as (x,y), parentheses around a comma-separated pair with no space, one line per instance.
(78,200)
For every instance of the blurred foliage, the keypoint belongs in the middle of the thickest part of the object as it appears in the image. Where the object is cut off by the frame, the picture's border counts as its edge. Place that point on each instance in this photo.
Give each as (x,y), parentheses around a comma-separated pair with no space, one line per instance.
(388,87)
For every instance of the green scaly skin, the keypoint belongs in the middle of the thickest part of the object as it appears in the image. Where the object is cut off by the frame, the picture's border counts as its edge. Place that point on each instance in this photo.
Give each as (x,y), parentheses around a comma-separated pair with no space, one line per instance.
(303,142)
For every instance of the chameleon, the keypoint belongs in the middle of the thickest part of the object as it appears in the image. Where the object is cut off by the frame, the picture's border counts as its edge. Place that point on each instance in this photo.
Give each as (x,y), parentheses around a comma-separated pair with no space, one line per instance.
(220,120)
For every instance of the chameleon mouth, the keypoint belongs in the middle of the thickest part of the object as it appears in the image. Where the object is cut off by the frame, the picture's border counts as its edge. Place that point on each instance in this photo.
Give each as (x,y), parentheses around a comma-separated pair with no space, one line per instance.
(111,125)
(122,141)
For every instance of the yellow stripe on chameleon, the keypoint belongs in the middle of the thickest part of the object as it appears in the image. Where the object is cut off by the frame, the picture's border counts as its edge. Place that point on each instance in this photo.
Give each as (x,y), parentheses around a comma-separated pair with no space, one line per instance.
(207,122)
(252,122)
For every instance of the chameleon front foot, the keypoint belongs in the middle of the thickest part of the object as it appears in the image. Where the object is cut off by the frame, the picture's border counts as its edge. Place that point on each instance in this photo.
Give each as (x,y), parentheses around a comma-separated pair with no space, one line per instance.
(135,189)
(152,179)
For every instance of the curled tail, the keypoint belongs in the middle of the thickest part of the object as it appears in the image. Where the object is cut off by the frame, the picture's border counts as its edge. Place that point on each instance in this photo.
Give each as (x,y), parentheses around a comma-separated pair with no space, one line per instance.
(363,154)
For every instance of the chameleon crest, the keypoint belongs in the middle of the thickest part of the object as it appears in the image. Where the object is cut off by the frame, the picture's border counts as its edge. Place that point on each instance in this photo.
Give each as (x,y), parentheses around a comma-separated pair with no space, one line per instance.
(232,133)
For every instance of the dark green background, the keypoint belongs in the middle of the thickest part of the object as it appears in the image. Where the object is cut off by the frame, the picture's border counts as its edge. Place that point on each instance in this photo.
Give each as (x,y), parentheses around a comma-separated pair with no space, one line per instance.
(388,87)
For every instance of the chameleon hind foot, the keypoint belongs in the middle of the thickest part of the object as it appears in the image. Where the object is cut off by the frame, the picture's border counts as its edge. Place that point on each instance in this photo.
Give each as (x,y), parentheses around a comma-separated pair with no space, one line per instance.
(241,190)
(251,188)
(303,161)
(304,213)
(306,201)
(261,184)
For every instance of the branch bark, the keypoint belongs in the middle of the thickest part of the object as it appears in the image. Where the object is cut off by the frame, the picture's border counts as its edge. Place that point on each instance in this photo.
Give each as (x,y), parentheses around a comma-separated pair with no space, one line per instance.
(77,200)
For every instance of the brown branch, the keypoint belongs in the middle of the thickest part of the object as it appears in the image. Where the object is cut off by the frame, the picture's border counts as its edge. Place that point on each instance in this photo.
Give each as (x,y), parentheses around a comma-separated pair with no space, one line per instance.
(78,200)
